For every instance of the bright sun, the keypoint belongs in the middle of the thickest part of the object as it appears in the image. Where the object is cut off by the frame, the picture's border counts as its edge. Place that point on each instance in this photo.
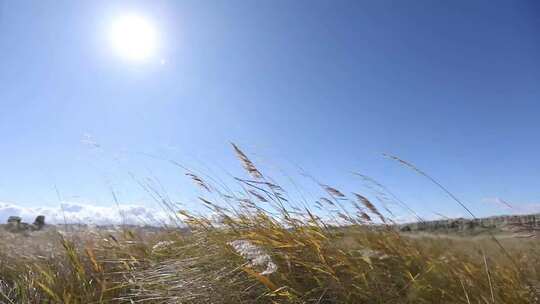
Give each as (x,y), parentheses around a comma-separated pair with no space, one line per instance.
(133,37)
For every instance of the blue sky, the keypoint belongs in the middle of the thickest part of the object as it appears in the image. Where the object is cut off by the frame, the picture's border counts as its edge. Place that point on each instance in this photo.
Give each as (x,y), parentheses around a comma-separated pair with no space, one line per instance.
(323,85)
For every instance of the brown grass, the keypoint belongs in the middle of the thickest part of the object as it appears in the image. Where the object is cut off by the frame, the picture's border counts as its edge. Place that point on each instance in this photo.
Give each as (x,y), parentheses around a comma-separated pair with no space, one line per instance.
(337,256)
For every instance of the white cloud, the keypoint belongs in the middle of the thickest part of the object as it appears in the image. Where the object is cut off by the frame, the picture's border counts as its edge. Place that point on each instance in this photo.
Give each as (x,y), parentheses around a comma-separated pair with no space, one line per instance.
(88,214)
(88,140)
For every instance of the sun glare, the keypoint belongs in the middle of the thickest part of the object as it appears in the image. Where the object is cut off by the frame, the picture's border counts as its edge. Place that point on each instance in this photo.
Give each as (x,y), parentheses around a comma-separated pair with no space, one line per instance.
(133,37)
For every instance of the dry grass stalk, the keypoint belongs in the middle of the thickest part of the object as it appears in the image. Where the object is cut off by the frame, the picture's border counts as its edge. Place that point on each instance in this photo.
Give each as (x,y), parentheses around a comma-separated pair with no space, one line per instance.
(364,201)
(247,163)
(198,181)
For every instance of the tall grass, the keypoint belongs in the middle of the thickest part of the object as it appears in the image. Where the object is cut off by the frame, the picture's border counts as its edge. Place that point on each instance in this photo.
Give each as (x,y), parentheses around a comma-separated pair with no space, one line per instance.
(345,250)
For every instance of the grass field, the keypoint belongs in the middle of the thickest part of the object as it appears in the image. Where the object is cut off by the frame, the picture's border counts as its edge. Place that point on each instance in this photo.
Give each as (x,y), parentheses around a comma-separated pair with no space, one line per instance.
(259,247)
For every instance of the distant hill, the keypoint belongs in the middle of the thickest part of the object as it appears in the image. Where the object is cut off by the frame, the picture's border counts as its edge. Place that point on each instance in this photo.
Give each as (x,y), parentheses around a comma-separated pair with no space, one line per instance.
(502,223)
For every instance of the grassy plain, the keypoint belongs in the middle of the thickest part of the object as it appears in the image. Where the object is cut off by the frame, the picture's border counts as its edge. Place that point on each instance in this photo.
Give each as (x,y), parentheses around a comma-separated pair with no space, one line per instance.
(259,247)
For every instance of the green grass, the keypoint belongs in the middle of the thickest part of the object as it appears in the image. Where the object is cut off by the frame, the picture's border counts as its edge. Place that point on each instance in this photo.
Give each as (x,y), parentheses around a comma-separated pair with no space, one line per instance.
(344,257)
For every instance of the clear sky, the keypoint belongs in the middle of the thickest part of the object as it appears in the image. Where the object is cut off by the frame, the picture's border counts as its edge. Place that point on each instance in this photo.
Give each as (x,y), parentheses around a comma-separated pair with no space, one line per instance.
(452,86)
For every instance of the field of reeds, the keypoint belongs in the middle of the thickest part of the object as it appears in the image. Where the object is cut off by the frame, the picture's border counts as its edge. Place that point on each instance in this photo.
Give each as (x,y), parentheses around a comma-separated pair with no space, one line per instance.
(256,245)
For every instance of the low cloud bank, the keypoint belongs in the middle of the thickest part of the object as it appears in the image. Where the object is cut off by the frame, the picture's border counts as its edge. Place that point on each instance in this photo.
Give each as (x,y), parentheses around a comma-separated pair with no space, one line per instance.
(76,213)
